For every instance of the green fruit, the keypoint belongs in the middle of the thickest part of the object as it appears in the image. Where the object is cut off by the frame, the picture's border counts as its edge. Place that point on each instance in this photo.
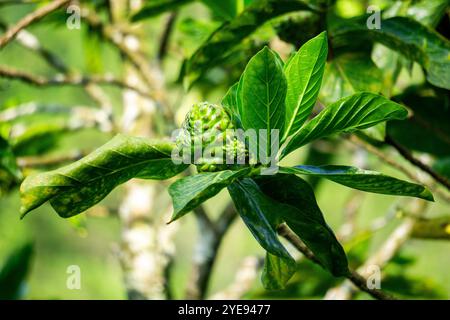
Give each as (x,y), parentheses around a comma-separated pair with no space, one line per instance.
(204,134)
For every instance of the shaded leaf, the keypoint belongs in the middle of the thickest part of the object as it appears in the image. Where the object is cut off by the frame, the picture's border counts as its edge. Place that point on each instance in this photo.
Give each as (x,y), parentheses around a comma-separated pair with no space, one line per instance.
(154,8)
(306,220)
(304,77)
(230,34)
(14,271)
(259,214)
(365,180)
(75,188)
(189,192)
(359,111)
(407,36)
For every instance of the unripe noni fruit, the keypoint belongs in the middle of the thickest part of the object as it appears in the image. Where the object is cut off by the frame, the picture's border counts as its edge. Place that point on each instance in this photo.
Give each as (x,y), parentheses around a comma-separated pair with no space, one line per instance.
(204,134)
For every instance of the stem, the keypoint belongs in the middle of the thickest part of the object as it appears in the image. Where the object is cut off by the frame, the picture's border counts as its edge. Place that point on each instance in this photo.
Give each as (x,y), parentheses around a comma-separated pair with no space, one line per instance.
(416,162)
(29,19)
(358,280)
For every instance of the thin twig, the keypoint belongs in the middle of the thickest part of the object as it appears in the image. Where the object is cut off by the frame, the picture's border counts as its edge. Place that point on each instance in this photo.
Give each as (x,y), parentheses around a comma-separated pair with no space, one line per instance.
(395,164)
(416,162)
(62,80)
(354,277)
(166,35)
(385,253)
(34,16)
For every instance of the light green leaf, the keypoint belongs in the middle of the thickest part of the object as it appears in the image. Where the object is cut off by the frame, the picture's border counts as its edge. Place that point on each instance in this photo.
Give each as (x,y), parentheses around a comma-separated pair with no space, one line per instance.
(306,220)
(262,93)
(230,101)
(304,77)
(365,180)
(221,43)
(359,111)
(227,9)
(77,187)
(277,272)
(189,192)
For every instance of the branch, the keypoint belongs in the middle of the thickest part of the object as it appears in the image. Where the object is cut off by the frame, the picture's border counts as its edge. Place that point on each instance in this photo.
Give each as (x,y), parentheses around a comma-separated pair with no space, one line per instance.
(29,19)
(384,254)
(27,162)
(395,164)
(63,80)
(354,277)
(166,35)
(211,235)
(416,162)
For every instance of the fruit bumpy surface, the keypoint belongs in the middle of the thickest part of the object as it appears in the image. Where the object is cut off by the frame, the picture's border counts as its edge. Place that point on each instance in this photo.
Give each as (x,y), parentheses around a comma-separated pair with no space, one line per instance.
(206,126)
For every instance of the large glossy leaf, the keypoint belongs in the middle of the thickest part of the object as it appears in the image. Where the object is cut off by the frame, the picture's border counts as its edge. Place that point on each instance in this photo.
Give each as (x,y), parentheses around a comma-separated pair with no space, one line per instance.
(365,180)
(156,7)
(304,74)
(230,34)
(358,111)
(262,92)
(13,272)
(407,36)
(189,192)
(259,213)
(75,188)
(306,220)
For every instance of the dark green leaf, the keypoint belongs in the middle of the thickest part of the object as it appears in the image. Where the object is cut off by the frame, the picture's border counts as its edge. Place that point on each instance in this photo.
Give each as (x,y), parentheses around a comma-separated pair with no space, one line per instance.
(14,271)
(306,220)
(230,34)
(77,187)
(259,214)
(262,92)
(416,41)
(230,101)
(365,180)
(189,192)
(359,111)
(8,160)
(347,74)
(154,8)
(304,77)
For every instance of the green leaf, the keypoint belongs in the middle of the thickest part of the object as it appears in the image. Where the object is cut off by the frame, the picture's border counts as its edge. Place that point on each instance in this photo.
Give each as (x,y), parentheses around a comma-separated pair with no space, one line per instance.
(304,74)
(407,36)
(262,93)
(227,9)
(359,111)
(365,180)
(77,187)
(189,192)
(8,160)
(277,272)
(306,220)
(347,74)
(14,271)
(230,101)
(428,12)
(154,8)
(221,43)
(259,214)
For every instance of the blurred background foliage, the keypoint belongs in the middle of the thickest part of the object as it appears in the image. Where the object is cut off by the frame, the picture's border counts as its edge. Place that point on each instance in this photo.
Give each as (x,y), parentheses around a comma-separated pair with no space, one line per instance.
(35,252)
